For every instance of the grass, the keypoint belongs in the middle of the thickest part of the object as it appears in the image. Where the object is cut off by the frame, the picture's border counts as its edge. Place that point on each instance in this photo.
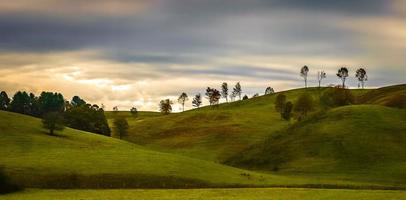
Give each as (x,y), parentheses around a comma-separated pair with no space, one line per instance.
(365,141)
(210,194)
(219,132)
(74,158)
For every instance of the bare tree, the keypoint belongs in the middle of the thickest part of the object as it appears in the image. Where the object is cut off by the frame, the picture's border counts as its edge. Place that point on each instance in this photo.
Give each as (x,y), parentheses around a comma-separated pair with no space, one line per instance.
(182,99)
(361,75)
(303,73)
(224,91)
(197,100)
(237,90)
(342,74)
(320,76)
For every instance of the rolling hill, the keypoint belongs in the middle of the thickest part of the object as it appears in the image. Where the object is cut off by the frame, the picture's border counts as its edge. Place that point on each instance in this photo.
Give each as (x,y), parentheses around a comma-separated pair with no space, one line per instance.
(216,133)
(76,159)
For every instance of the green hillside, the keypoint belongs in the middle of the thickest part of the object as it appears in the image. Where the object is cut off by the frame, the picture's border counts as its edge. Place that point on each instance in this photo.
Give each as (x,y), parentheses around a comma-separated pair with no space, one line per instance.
(76,159)
(218,132)
(361,139)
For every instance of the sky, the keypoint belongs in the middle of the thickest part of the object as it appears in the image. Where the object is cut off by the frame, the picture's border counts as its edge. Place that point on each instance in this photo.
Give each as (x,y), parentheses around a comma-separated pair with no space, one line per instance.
(136,52)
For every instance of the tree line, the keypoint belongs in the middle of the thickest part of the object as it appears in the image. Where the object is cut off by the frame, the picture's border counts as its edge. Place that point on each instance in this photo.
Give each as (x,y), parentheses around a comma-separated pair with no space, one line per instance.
(57,112)
(212,95)
(342,74)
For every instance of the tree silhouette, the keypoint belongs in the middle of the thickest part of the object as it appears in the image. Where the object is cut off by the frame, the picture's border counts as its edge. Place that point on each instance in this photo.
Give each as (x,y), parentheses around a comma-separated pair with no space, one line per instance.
(4,101)
(361,75)
(237,90)
(303,73)
(165,106)
(213,95)
(342,74)
(197,100)
(53,121)
(20,103)
(245,97)
(269,90)
(224,91)
(134,111)
(120,126)
(320,76)
(182,99)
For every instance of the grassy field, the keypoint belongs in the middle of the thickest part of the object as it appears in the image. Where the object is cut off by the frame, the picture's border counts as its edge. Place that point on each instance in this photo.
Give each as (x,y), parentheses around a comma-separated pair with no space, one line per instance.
(79,159)
(210,194)
(76,159)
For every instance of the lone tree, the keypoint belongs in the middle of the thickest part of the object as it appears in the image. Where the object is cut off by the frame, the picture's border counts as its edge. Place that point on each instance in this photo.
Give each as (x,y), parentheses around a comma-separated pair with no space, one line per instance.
(303,73)
(165,106)
(4,101)
(197,100)
(361,75)
(224,91)
(237,90)
(342,74)
(213,95)
(304,104)
(269,90)
(120,126)
(53,121)
(245,97)
(320,76)
(286,113)
(280,102)
(182,99)
(134,111)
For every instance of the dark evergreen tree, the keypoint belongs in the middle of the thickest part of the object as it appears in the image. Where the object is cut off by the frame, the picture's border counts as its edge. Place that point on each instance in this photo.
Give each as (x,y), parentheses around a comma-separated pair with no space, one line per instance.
(4,101)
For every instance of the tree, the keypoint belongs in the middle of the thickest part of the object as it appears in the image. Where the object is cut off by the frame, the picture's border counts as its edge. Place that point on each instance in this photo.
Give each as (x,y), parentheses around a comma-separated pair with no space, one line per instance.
(224,91)
(77,101)
(280,102)
(320,76)
(304,104)
(115,109)
(197,100)
(232,95)
(269,90)
(87,117)
(4,101)
(237,90)
(255,95)
(53,121)
(182,99)
(120,126)
(51,102)
(245,97)
(342,74)
(165,106)
(213,95)
(303,73)
(286,113)
(134,111)
(20,103)
(361,75)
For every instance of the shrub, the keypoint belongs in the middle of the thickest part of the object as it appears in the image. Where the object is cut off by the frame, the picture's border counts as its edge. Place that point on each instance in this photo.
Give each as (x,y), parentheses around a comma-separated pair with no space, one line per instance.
(335,97)
(304,104)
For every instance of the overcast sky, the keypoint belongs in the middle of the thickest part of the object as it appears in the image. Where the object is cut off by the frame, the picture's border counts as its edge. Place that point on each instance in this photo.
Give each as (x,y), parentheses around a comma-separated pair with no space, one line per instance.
(137,52)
